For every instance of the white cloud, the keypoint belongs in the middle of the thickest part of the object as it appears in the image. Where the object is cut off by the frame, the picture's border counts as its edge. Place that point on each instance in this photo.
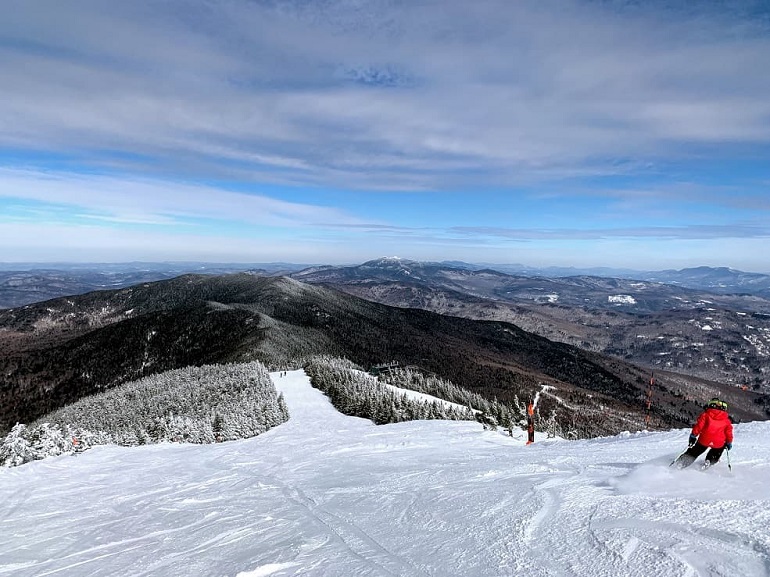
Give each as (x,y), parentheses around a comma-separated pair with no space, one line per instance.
(145,201)
(417,93)
(55,242)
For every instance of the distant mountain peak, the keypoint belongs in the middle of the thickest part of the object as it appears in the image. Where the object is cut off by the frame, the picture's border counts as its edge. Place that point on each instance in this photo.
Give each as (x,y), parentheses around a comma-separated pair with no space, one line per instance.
(391,263)
(387,260)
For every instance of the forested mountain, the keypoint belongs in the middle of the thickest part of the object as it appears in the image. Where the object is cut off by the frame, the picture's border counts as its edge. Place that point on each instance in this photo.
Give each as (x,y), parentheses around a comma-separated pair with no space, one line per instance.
(56,352)
(638,295)
(27,283)
(718,335)
(712,323)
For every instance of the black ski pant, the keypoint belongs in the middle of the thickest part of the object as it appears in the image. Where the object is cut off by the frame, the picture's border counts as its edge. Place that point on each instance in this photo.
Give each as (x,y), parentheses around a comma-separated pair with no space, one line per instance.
(689,456)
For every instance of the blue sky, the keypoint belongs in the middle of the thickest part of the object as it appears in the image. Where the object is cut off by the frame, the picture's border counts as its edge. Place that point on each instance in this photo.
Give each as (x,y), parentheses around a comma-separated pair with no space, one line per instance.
(583,133)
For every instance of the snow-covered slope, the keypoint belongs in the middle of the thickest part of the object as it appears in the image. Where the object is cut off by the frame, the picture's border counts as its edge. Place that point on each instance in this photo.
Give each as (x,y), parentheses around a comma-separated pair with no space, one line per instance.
(329,495)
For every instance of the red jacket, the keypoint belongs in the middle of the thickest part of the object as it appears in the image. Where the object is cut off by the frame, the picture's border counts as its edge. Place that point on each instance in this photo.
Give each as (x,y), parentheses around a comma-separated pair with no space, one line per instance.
(713,428)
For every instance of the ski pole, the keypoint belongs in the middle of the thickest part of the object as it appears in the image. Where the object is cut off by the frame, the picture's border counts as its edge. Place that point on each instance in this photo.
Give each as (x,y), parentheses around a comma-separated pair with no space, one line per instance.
(729,466)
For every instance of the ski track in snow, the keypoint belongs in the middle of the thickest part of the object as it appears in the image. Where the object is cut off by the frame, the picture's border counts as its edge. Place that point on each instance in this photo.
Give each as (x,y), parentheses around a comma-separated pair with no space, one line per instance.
(328,495)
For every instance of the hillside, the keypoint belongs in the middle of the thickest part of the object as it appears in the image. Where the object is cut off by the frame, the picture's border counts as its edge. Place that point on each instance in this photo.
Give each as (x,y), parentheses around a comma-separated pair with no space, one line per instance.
(718,336)
(327,495)
(705,322)
(26,283)
(55,352)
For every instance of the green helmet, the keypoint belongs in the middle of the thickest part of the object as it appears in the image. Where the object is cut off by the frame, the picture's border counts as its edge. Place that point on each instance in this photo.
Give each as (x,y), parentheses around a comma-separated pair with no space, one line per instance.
(717,404)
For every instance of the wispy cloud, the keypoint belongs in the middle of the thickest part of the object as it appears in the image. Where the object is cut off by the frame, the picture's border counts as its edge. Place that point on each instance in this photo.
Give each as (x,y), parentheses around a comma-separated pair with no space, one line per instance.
(689,232)
(147,201)
(349,129)
(415,93)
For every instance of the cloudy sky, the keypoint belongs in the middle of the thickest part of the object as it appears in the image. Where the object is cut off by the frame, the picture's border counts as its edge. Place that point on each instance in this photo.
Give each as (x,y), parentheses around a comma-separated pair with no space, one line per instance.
(585,132)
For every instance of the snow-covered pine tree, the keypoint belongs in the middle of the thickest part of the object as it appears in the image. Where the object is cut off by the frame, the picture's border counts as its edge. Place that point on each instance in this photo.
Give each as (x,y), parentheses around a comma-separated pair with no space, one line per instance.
(353,392)
(47,440)
(16,449)
(175,405)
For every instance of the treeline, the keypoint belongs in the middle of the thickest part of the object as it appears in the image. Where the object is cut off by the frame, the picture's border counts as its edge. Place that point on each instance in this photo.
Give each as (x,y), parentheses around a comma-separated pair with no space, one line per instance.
(357,394)
(490,412)
(550,419)
(205,404)
(64,363)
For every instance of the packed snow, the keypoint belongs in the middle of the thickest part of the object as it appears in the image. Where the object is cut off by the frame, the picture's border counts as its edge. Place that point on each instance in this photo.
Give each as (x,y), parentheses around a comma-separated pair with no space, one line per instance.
(329,495)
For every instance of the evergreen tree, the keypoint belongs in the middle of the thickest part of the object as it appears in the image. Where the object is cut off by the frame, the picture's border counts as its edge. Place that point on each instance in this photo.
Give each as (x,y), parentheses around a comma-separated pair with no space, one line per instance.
(16,450)
(180,405)
(47,441)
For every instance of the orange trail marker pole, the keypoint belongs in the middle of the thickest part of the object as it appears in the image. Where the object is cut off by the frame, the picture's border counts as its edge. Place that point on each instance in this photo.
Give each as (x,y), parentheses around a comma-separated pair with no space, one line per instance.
(530,423)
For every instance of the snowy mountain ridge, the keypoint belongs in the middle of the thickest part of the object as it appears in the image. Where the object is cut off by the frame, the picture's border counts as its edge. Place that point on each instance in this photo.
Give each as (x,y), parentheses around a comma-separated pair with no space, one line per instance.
(58,352)
(328,495)
(596,313)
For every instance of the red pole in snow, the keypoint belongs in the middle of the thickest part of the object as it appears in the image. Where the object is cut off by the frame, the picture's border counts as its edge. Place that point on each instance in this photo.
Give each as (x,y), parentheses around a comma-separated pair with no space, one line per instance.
(530,423)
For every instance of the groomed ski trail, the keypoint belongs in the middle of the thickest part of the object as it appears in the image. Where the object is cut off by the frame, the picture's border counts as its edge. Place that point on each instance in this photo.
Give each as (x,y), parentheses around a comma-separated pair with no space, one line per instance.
(328,495)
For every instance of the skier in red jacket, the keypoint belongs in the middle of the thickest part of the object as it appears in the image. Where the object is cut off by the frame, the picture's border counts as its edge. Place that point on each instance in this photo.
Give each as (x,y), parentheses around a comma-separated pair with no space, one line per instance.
(713,431)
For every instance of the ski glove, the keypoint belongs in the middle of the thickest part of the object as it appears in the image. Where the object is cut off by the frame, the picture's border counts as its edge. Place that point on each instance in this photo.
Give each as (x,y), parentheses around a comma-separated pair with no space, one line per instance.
(691,440)
(728,446)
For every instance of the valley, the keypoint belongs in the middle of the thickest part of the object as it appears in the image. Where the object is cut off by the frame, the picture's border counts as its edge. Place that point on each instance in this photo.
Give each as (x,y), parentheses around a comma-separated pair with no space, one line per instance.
(502,336)
(719,337)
